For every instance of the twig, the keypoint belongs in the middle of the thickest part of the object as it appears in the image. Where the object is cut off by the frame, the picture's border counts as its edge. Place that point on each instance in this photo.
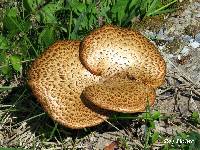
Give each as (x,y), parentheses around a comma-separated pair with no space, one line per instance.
(100,18)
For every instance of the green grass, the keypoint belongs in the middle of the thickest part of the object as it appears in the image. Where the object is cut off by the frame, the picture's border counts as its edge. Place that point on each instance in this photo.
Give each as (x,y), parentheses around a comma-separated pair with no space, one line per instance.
(31,26)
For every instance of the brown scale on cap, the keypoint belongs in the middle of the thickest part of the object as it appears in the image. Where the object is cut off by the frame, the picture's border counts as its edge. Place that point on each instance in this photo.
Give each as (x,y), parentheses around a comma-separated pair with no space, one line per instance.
(121,95)
(57,79)
(110,50)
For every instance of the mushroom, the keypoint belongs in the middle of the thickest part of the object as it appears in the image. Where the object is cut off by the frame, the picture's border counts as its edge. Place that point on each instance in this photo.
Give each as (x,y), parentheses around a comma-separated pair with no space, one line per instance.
(78,83)
(121,95)
(57,78)
(111,50)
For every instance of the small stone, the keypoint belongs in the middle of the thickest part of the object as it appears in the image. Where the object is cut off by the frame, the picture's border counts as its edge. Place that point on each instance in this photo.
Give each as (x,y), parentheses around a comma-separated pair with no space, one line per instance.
(186,38)
(195,44)
(198,15)
(185,51)
(197,37)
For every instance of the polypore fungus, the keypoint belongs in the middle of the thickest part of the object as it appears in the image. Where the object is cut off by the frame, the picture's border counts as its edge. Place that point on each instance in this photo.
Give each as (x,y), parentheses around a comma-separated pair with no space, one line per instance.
(57,79)
(77,83)
(112,50)
(121,95)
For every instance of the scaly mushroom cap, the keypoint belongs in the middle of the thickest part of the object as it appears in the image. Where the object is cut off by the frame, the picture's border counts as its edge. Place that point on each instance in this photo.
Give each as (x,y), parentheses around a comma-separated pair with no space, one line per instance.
(110,50)
(57,79)
(121,95)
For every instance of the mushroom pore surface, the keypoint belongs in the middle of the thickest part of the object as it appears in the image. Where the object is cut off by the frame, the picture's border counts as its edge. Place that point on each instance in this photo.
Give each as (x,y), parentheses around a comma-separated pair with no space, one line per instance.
(57,79)
(121,95)
(111,50)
